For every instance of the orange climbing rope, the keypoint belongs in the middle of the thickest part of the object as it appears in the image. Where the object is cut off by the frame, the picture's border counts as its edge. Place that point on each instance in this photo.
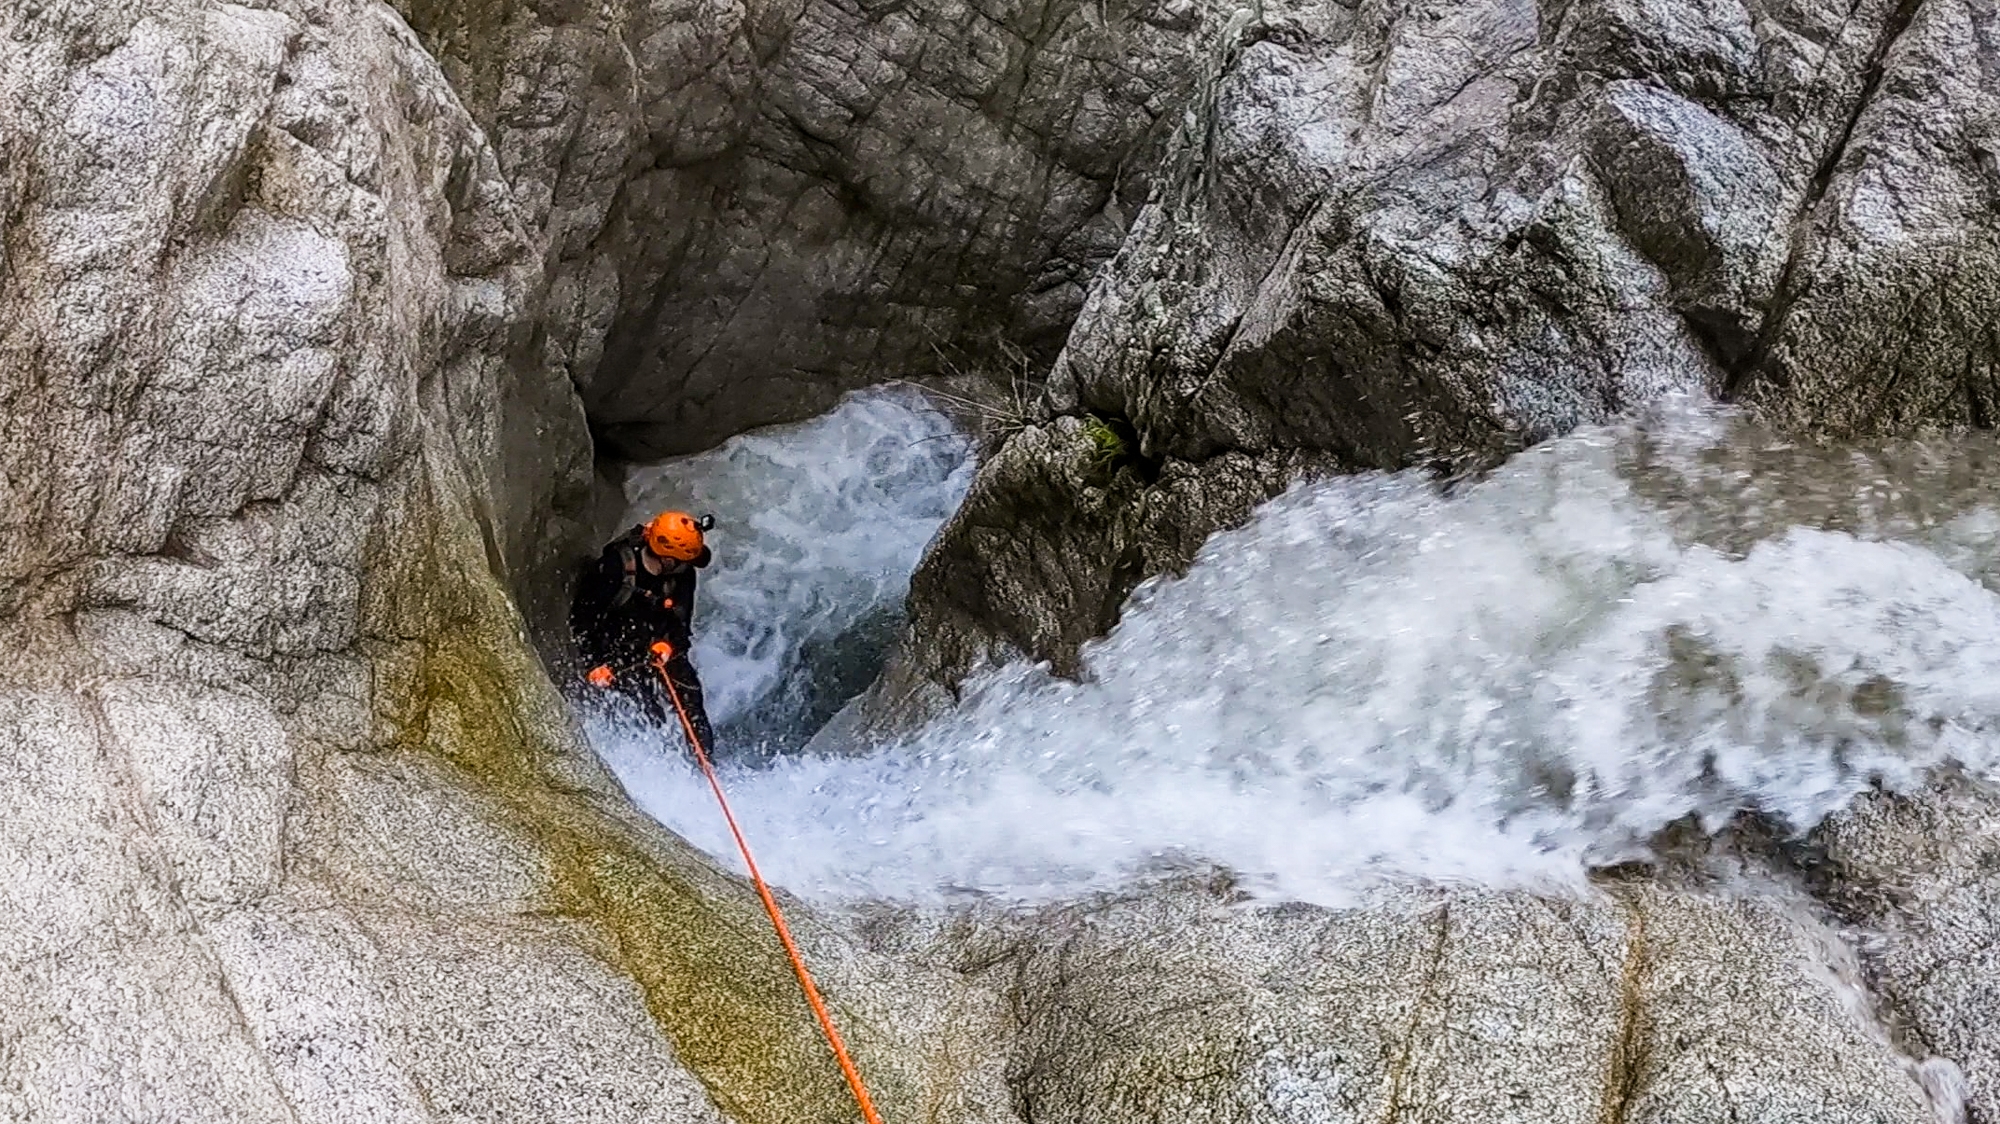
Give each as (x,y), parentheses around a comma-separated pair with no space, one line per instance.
(661,653)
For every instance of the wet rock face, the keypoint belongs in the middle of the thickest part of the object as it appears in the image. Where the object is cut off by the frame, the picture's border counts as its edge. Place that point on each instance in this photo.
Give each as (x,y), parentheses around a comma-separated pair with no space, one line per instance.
(751,207)
(1060,525)
(1419,233)
(1401,234)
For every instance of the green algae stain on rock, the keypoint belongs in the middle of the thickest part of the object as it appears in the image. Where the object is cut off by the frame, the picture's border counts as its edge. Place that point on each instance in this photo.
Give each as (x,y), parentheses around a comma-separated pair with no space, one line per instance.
(713,978)
(695,940)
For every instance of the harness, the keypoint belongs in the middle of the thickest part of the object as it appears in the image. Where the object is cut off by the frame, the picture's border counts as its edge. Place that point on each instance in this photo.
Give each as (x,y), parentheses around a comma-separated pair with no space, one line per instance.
(629,588)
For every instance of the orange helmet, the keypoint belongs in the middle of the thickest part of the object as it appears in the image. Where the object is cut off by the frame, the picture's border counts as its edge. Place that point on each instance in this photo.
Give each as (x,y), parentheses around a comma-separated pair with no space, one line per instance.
(676,535)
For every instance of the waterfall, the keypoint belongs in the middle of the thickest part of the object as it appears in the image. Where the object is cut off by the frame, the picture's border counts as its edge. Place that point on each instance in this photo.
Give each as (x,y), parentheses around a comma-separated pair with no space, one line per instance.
(820,525)
(1502,682)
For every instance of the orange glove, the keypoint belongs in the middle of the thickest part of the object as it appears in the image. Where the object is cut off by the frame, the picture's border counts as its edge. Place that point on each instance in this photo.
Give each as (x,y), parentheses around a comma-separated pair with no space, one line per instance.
(600,676)
(662,651)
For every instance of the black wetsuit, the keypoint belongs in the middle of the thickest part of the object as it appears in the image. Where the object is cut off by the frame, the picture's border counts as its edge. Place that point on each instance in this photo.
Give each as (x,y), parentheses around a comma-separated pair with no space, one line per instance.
(621,608)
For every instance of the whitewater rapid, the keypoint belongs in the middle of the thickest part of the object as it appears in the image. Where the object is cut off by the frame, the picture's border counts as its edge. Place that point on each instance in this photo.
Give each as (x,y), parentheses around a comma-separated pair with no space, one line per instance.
(1377,678)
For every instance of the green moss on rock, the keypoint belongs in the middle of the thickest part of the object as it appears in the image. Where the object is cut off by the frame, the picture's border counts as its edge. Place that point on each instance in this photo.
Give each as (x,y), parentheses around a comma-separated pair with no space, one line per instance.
(694,939)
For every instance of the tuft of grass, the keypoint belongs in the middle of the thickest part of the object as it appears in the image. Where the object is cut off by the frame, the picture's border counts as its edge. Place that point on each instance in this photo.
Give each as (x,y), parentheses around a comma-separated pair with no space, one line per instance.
(1109,446)
(1014,405)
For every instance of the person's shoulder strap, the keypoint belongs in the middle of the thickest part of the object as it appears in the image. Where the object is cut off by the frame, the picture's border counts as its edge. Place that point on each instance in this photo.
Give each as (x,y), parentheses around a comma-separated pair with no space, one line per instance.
(628,561)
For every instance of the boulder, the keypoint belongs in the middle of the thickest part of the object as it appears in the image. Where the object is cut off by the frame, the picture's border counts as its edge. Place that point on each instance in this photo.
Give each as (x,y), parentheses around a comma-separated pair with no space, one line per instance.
(1031,542)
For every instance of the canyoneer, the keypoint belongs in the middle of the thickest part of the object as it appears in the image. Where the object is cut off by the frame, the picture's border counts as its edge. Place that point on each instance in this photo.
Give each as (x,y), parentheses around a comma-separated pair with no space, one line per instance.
(633,615)
(633,618)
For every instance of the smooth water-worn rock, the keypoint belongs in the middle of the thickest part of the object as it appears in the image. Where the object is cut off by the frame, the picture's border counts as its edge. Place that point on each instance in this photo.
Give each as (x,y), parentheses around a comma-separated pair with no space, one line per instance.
(1636,1003)
(1399,235)
(751,207)
(295,827)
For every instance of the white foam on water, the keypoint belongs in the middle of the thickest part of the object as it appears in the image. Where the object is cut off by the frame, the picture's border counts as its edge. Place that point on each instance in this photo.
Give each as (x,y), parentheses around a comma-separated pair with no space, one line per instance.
(820,526)
(1375,679)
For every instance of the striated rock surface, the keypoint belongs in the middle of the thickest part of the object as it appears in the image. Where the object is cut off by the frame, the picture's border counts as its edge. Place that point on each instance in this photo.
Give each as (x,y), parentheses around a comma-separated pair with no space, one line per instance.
(295,828)
(750,207)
